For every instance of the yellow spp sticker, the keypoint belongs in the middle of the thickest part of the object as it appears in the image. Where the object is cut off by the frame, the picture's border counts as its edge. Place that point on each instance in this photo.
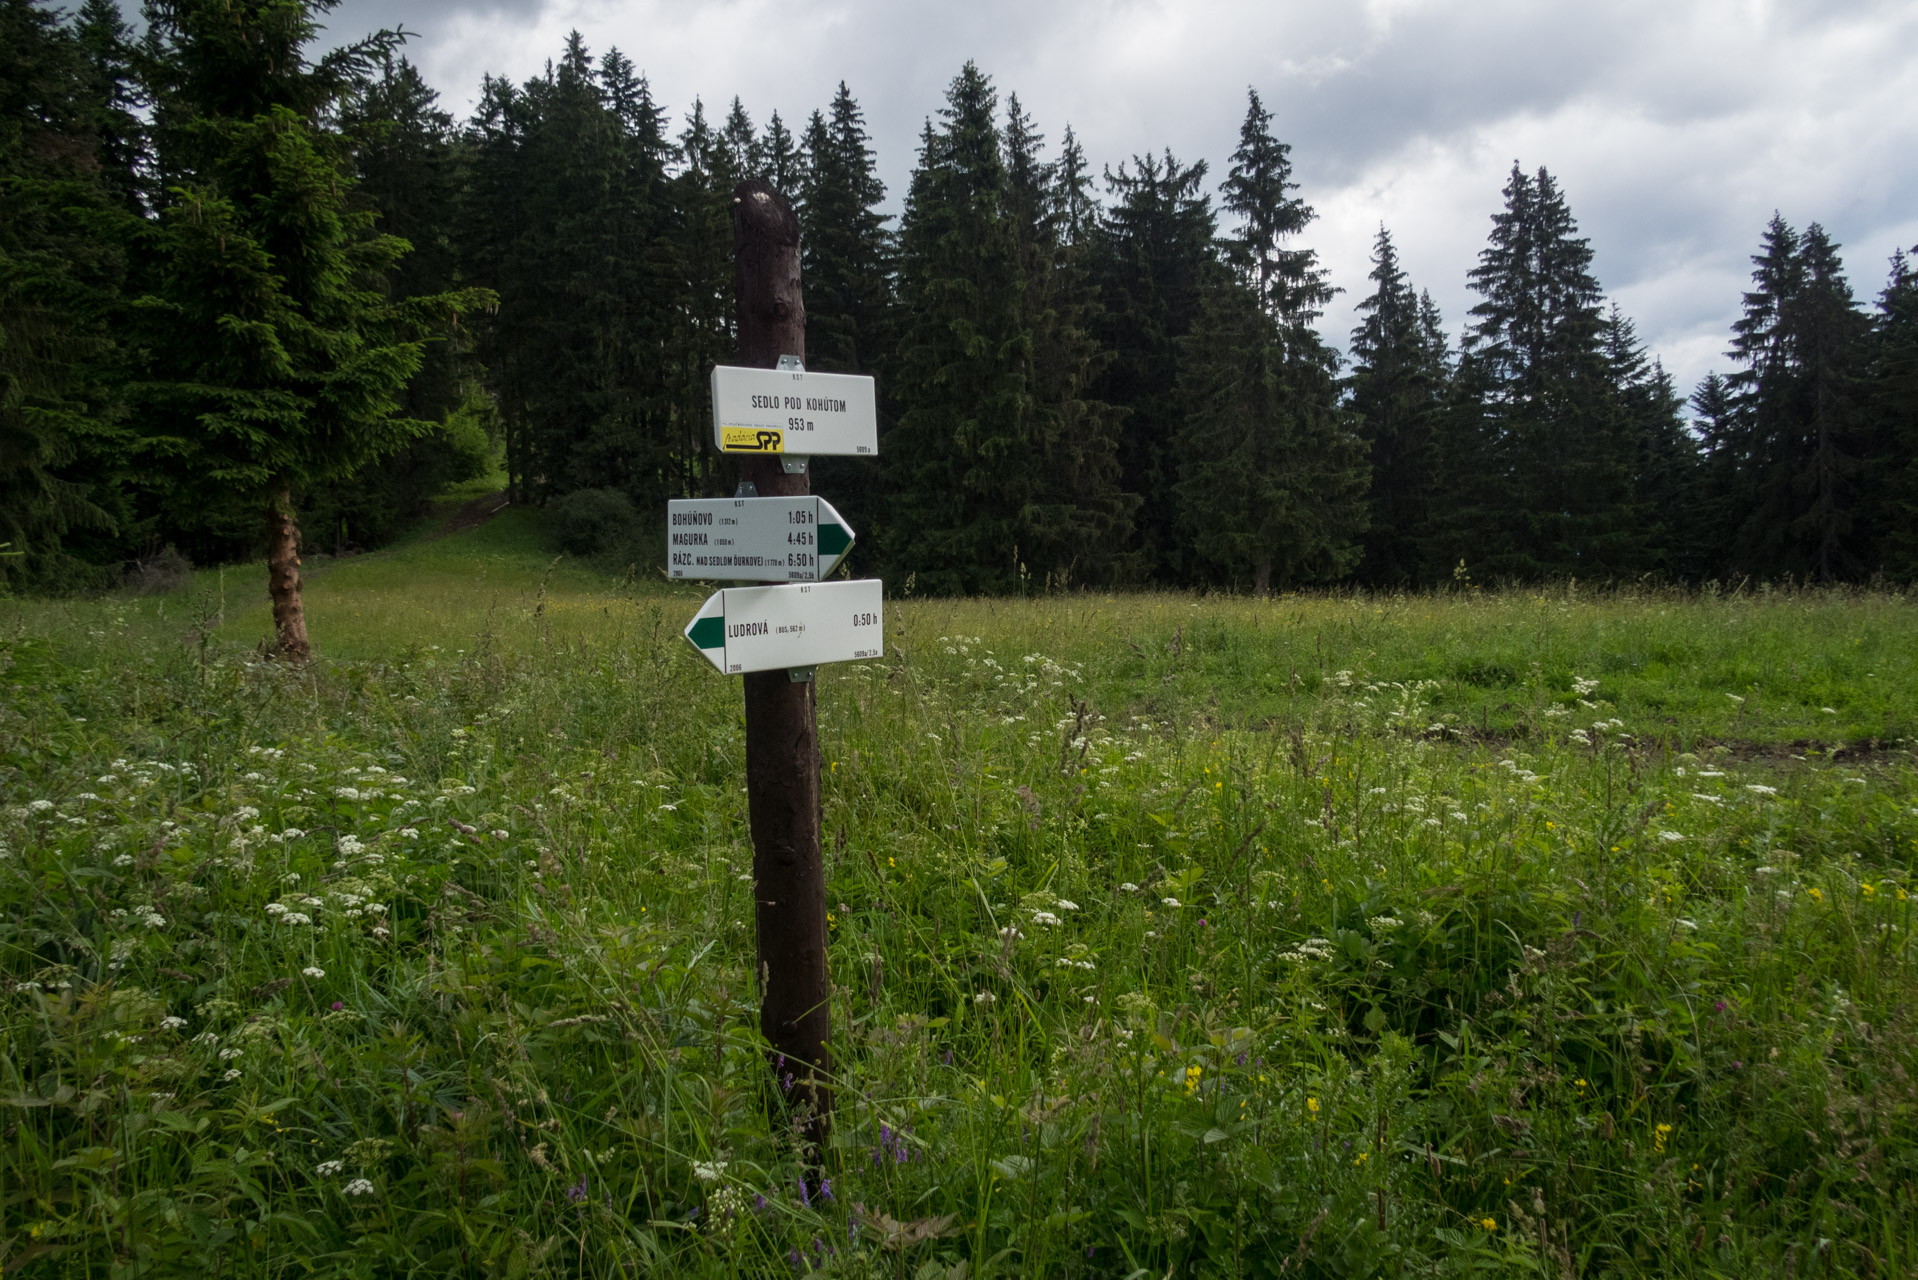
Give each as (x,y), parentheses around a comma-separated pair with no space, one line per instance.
(751,440)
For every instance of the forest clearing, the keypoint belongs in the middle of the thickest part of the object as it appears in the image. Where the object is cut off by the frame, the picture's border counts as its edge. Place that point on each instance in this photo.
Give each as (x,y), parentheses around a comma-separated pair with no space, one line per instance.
(1330,934)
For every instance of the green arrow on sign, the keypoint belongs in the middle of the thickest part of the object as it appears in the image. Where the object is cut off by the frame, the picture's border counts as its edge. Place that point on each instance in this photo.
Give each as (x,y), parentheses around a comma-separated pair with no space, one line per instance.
(707,633)
(835,535)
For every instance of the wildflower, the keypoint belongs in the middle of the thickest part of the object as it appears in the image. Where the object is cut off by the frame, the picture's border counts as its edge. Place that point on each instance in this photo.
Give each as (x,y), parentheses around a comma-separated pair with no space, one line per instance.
(984,997)
(39,806)
(296,917)
(313,971)
(328,1168)
(1867,889)
(709,1171)
(1312,1105)
(1128,887)
(1045,918)
(1169,902)
(233,1073)
(1734,697)
(124,860)
(154,920)
(172,1023)
(1817,895)
(1192,1075)
(358,1187)
(1659,1134)
(1758,790)
(1065,905)
(337,1006)
(1490,1224)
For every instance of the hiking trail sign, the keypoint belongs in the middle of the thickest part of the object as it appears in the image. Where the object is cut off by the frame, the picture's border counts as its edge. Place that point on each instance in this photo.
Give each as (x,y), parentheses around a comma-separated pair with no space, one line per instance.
(755,539)
(795,626)
(792,412)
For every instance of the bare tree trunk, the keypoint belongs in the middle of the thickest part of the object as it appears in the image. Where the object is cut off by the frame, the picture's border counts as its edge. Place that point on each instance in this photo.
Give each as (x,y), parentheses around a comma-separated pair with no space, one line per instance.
(1262,578)
(283,580)
(782,737)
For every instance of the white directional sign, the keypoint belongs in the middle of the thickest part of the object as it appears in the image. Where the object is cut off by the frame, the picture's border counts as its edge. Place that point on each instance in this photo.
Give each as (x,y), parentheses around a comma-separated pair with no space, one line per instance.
(793,412)
(799,625)
(755,539)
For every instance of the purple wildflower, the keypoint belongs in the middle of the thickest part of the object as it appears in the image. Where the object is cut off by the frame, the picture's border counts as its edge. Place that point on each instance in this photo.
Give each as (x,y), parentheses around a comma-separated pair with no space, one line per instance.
(759,1200)
(337,1006)
(577,1192)
(825,1189)
(1718,1006)
(805,1196)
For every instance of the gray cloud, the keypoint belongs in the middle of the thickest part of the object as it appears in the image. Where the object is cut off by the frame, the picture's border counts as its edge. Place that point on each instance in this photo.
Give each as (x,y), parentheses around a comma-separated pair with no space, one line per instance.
(1676,128)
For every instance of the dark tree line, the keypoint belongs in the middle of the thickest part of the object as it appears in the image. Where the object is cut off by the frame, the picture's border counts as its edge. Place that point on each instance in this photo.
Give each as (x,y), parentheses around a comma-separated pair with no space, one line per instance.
(239,285)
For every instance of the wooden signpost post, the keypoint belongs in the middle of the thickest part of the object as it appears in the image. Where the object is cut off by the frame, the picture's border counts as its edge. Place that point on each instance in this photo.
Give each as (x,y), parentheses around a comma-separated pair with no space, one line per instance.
(774,415)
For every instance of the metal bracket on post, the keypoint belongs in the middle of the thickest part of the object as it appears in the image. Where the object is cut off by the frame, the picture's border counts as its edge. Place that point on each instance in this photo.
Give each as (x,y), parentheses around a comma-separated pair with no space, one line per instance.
(792,466)
(799,675)
(746,489)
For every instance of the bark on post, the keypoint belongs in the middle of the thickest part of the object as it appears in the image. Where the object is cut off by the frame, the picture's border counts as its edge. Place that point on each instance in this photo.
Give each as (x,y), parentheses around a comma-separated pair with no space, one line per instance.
(782,738)
(283,580)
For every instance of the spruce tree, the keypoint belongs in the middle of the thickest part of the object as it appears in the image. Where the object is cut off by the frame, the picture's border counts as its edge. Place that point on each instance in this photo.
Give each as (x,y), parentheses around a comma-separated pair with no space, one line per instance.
(269,360)
(1272,474)
(1154,253)
(64,228)
(1538,456)
(1801,341)
(1076,521)
(1400,360)
(407,173)
(962,461)
(783,159)
(1893,403)
(847,254)
(1665,484)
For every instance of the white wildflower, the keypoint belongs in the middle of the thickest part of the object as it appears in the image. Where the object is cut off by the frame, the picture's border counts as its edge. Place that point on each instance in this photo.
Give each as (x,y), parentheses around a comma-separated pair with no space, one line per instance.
(358,1187)
(232,1074)
(1044,918)
(1758,789)
(1170,902)
(709,1170)
(297,918)
(1128,887)
(984,997)
(172,1023)
(330,1168)
(276,908)
(124,860)
(1671,837)
(313,971)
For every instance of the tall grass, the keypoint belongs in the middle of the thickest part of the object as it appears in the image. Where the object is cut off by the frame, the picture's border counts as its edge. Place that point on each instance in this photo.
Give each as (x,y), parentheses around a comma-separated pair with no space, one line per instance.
(1324,936)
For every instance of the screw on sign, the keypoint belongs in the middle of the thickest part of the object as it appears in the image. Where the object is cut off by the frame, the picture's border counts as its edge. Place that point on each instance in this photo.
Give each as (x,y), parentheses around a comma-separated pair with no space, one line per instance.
(772,415)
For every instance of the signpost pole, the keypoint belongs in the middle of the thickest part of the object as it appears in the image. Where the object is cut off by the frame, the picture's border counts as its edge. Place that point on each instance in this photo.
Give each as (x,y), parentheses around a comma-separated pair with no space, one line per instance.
(782,736)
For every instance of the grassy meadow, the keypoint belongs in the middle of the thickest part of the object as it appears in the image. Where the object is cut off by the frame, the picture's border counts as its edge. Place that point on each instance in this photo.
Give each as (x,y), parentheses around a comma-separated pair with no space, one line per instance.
(1532,933)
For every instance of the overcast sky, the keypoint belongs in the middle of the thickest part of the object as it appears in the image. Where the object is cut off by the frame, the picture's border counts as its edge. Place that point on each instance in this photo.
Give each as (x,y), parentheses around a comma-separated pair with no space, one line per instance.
(1675,127)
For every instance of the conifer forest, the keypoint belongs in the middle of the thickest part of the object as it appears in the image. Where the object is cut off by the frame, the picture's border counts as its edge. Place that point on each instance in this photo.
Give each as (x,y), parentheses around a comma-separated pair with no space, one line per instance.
(242,279)
(1434,801)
